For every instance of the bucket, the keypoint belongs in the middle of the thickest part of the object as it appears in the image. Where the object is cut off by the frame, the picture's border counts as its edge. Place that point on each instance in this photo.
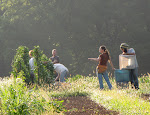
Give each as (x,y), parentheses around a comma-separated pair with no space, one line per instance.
(122,75)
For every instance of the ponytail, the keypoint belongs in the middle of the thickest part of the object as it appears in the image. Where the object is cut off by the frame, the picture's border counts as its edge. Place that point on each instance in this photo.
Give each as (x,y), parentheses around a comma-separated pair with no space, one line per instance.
(105,50)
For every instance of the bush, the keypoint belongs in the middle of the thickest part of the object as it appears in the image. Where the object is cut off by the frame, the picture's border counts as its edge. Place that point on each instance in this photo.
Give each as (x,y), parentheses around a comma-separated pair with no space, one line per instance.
(43,71)
(43,67)
(21,63)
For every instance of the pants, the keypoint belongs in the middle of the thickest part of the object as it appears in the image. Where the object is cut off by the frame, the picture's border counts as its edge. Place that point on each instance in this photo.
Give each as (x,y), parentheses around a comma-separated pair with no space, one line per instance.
(105,75)
(63,74)
(32,77)
(134,77)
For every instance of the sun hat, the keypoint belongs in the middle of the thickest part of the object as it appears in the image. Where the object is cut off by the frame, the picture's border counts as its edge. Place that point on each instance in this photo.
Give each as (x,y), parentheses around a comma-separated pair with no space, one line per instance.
(124,45)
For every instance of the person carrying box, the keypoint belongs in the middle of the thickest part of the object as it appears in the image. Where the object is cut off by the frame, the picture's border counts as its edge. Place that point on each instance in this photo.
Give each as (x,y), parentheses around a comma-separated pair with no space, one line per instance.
(134,72)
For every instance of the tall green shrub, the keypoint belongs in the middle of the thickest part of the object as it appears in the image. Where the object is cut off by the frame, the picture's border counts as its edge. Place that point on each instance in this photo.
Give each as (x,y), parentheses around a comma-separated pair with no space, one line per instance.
(21,63)
(43,67)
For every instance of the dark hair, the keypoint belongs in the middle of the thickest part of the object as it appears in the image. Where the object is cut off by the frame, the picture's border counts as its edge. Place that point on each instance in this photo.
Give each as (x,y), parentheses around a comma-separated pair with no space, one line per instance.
(105,50)
(125,49)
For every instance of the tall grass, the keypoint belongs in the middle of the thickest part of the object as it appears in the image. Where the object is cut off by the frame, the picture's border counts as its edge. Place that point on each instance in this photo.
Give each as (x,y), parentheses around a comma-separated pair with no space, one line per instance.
(17,99)
(126,101)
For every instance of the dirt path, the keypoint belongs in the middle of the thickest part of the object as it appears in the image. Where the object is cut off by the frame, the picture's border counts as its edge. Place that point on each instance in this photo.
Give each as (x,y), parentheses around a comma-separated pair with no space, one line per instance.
(82,105)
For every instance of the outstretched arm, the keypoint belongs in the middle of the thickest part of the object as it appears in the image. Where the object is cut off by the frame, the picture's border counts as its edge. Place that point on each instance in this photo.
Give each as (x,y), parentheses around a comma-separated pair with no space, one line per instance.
(94,59)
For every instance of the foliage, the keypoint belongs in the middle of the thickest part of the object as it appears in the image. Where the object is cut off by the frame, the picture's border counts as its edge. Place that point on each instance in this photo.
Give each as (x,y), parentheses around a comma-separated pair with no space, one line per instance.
(76,28)
(76,77)
(43,67)
(43,71)
(17,99)
(57,105)
(21,63)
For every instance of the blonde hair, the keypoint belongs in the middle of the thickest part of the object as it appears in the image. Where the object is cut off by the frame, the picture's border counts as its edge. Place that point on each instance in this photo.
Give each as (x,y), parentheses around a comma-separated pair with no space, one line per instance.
(30,52)
(53,50)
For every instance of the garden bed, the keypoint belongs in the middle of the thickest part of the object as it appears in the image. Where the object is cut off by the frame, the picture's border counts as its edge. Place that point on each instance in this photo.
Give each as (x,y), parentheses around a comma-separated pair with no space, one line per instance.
(82,105)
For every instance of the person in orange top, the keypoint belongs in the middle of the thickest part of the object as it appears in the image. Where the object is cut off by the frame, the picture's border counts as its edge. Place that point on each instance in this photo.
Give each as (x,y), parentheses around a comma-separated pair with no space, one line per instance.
(103,58)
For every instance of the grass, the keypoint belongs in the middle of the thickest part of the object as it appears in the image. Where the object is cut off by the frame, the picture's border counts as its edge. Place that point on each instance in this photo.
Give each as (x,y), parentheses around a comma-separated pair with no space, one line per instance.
(17,98)
(126,101)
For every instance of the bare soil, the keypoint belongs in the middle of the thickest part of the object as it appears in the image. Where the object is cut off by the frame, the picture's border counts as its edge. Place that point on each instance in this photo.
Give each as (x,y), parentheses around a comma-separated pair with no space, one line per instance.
(146,97)
(82,105)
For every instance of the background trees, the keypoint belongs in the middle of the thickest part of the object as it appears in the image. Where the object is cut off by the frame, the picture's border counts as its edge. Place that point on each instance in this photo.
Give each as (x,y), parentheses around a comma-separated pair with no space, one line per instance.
(76,28)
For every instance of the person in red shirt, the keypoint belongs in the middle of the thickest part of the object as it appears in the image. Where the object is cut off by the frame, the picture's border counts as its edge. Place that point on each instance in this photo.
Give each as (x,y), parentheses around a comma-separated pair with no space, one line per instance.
(103,58)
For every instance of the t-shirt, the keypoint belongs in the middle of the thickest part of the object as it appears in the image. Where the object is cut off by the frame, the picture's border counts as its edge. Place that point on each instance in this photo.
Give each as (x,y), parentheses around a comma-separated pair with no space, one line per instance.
(59,68)
(31,63)
(104,59)
(131,50)
(55,58)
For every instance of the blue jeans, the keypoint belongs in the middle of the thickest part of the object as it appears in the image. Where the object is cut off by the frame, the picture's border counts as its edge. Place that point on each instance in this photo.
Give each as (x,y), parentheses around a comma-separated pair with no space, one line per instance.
(63,74)
(105,75)
(134,77)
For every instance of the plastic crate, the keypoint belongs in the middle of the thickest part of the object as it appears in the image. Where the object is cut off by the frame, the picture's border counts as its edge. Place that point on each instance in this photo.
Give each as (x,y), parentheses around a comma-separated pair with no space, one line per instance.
(122,75)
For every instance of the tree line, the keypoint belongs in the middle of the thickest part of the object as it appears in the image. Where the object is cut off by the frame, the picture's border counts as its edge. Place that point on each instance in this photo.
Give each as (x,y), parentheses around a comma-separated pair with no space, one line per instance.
(76,28)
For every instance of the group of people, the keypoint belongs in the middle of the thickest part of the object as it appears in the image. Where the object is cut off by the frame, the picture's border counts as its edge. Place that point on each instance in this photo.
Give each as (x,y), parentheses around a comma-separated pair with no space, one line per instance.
(60,70)
(104,57)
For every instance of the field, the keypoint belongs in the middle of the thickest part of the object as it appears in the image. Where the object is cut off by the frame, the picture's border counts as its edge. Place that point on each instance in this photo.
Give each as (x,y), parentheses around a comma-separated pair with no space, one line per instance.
(68,98)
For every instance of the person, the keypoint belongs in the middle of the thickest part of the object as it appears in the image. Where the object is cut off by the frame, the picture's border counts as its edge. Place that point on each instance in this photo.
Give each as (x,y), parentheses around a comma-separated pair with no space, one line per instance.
(31,64)
(54,58)
(134,72)
(103,58)
(61,70)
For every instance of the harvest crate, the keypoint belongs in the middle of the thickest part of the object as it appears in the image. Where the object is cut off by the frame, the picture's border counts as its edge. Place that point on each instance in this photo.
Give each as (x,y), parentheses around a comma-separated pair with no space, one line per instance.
(122,78)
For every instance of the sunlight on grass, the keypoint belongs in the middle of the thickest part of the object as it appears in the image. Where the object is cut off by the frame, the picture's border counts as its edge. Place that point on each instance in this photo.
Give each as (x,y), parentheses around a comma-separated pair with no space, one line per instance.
(18,99)
(43,100)
(127,101)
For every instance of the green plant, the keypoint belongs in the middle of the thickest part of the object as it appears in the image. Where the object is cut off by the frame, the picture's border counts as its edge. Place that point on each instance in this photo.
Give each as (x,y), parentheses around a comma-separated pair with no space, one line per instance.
(57,105)
(17,99)
(43,67)
(76,77)
(21,63)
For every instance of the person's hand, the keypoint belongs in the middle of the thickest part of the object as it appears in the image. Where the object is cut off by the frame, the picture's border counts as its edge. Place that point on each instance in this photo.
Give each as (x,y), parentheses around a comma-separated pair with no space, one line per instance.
(113,69)
(123,53)
(89,59)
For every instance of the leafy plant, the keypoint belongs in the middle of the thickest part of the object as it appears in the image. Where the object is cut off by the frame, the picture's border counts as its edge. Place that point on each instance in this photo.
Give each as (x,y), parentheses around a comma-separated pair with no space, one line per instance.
(43,67)
(17,99)
(21,63)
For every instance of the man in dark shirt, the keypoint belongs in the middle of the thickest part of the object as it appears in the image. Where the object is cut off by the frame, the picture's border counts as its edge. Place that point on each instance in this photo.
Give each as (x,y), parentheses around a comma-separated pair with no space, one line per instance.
(54,58)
